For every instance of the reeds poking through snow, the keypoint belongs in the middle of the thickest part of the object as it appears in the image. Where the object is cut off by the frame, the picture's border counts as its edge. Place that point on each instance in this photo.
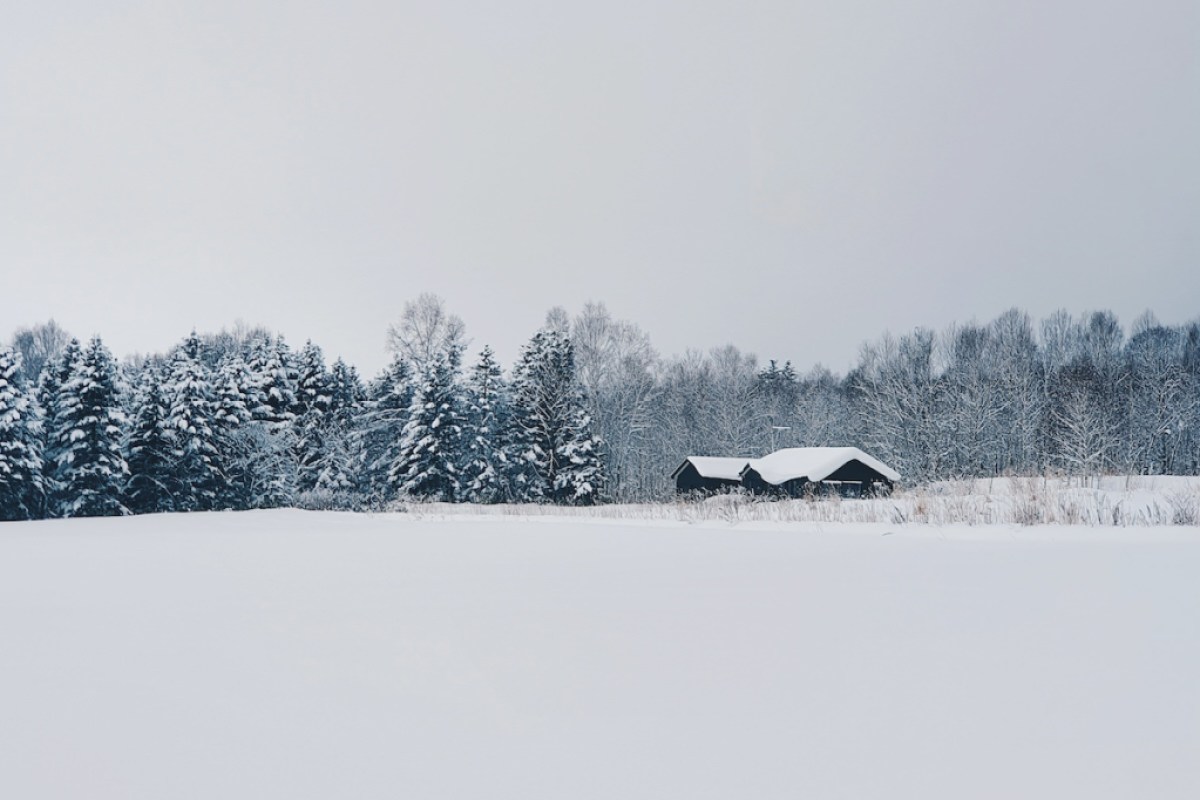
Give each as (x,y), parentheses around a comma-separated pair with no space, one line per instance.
(1119,501)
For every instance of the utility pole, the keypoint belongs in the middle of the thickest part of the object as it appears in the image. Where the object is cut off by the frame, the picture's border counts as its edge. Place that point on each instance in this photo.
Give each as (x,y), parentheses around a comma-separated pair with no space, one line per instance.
(774,430)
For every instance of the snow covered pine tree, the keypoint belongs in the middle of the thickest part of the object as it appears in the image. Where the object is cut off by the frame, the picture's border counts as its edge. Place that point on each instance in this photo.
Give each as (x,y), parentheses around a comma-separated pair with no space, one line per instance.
(53,405)
(192,421)
(382,428)
(337,469)
(20,450)
(149,451)
(557,455)
(313,399)
(485,477)
(89,465)
(429,457)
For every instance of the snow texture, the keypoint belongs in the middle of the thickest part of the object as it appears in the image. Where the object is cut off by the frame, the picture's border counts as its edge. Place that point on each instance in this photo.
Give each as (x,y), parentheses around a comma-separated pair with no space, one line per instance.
(286,654)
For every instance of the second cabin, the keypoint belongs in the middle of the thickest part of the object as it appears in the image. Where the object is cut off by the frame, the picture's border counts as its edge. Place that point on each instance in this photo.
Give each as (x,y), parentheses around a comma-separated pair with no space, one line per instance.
(793,472)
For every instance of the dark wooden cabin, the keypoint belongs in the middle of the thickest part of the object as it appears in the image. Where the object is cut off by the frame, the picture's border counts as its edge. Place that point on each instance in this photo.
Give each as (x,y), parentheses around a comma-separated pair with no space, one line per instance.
(815,471)
(793,472)
(708,474)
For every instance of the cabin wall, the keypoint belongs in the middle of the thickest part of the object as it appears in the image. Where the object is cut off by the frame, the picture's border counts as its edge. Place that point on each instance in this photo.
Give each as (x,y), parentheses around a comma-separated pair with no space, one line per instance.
(855,470)
(804,488)
(753,482)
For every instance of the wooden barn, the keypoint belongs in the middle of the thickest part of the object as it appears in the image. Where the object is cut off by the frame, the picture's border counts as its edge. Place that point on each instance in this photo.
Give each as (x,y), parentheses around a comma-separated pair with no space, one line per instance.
(709,474)
(798,471)
(794,472)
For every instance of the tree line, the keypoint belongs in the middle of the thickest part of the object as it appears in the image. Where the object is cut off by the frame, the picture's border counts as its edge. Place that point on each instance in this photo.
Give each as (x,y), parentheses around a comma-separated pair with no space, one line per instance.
(589,413)
(241,421)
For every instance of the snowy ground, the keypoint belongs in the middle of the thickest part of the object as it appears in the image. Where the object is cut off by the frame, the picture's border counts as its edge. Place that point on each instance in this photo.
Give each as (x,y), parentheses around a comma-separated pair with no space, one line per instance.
(304,655)
(1120,501)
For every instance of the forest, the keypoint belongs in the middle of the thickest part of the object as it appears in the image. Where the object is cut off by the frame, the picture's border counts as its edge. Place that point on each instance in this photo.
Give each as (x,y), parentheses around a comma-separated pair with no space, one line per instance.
(589,413)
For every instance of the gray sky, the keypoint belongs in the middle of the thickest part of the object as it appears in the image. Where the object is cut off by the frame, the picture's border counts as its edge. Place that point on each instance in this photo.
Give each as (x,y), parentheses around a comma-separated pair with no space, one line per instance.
(794,177)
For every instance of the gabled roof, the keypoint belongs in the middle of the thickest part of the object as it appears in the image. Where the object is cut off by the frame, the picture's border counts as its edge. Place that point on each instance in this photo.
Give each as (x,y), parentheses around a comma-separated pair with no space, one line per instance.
(728,469)
(813,463)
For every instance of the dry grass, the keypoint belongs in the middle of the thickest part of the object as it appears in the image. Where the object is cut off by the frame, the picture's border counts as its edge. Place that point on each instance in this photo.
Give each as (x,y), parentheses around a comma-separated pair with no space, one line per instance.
(1006,501)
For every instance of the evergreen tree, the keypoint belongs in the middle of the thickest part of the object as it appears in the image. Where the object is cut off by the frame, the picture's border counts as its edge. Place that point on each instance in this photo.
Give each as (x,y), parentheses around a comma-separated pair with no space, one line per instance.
(192,420)
(149,451)
(313,389)
(55,407)
(277,380)
(266,448)
(379,435)
(580,476)
(557,456)
(429,457)
(90,467)
(485,475)
(234,388)
(20,448)
(313,425)
(258,351)
(336,468)
(346,393)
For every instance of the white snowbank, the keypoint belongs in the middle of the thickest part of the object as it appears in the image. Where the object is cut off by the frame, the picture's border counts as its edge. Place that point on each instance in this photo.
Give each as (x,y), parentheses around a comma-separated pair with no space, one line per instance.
(316,655)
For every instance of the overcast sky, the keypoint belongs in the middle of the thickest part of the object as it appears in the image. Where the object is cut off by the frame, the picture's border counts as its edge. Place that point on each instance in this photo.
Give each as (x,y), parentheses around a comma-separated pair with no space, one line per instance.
(793,177)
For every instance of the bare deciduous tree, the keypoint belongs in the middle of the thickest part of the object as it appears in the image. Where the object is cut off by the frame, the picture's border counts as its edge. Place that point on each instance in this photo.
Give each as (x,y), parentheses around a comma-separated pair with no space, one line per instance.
(616,363)
(425,330)
(37,345)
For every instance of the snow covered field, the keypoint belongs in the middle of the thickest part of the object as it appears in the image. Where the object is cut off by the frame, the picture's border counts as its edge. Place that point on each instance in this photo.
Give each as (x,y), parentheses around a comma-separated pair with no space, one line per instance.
(314,655)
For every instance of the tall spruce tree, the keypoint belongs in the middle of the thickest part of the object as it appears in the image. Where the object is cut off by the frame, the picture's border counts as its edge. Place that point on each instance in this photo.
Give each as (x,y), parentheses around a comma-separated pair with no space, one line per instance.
(427,465)
(346,392)
(557,456)
(55,407)
(277,378)
(378,436)
(90,466)
(149,450)
(336,469)
(235,387)
(257,354)
(485,474)
(580,476)
(192,420)
(313,425)
(21,491)
(266,446)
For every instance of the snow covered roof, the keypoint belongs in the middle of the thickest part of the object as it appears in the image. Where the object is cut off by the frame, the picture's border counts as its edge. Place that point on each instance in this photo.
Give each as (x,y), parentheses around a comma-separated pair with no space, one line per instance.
(729,469)
(813,463)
